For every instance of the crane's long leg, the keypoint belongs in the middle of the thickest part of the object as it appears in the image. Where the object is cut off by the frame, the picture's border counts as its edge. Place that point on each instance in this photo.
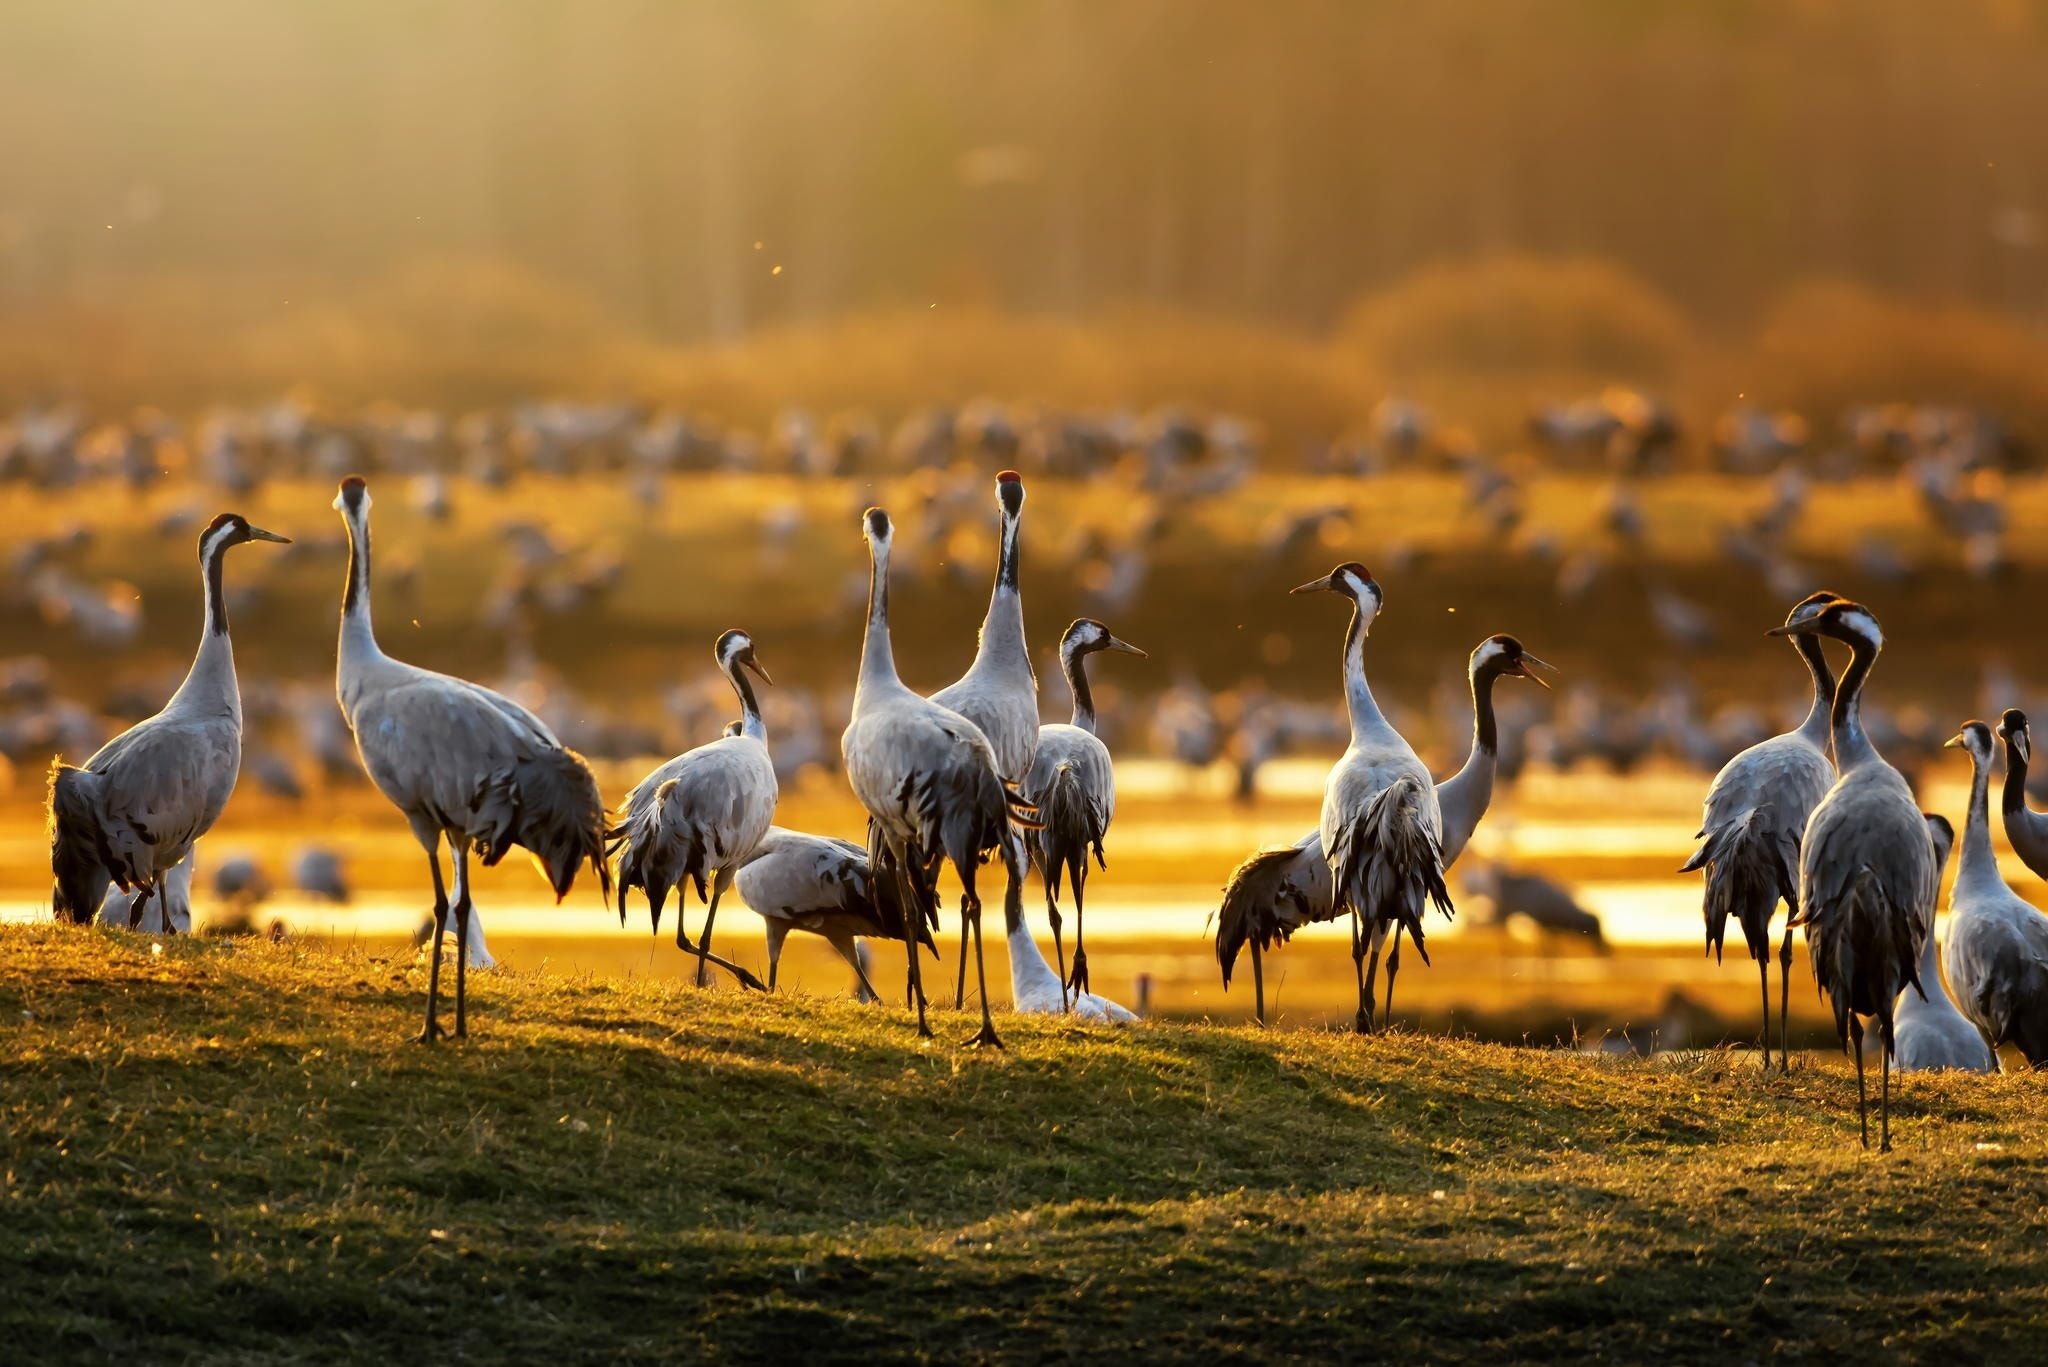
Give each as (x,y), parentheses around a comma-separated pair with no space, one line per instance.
(1364,1018)
(1884,1109)
(1785,1001)
(912,883)
(1856,1043)
(1393,970)
(1763,976)
(433,1030)
(850,951)
(971,905)
(718,887)
(777,932)
(1258,981)
(960,978)
(462,908)
(1059,949)
(1077,878)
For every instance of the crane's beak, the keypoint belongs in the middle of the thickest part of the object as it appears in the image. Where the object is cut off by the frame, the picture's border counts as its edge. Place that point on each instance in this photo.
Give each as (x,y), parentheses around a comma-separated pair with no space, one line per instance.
(1315,585)
(1805,628)
(1539,672)
(1127,648)
(2018,741)
(1954,742)
(258,534)
(751,663)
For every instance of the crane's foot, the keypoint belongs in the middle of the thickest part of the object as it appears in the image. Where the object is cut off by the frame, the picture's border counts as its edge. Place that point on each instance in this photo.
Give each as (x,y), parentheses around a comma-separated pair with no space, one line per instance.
(1885,1147)
(1079,980)
(1362,1023)
(431,1033)
(985,1037)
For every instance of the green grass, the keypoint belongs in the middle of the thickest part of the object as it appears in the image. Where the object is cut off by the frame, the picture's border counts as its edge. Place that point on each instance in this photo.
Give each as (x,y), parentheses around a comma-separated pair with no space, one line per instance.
(228,1150)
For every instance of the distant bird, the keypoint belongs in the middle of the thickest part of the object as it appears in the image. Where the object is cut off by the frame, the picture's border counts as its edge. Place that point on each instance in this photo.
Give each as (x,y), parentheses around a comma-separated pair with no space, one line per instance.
(2026,828)
(1867,879)
(999,692)
(1997,950)
(168,914)
(699,816)
(462,763)
(317,872)
(240,881)
(134,810)
(928,779)
(1073,785)
(1756,814)
(1542,902)
(1276,892)
(1932,1034)
(1382,829)
(813,883)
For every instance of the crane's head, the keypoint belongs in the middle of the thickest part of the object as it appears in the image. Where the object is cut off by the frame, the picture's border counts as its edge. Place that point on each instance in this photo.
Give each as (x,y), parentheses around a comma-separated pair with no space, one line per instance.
(1010,493)
(232,529)
(1810,606)
(1943,836)
(874,525)
(1504,657)
(353,496)
(2012,729)
(1975,737)
(1086,636)
(1838,617)
(736,648)
(1355,582)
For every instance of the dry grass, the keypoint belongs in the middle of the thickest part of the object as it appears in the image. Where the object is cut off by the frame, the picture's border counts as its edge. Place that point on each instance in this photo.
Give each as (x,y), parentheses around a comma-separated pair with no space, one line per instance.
(228,1152)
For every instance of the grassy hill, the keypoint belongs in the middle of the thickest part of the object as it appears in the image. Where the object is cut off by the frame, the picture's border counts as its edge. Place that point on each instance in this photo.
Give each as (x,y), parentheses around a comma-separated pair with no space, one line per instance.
(229,1150)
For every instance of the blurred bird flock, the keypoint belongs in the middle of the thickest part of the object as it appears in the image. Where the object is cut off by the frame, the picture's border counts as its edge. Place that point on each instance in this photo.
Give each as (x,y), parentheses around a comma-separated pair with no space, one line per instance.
(617,404)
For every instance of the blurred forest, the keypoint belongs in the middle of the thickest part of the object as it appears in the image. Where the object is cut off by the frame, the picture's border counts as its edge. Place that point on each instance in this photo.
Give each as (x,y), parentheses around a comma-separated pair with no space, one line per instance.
(1309,200)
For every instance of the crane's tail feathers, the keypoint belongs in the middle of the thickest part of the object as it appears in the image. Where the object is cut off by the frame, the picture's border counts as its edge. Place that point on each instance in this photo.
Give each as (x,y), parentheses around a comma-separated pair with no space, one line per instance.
(1751,864)
(1390,869)
(548,804)
(79,858)
(1252,906)
(1070,822)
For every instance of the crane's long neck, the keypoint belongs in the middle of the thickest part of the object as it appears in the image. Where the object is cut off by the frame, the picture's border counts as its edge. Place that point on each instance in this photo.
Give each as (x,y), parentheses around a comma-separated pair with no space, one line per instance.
(2013,797)
(877,657)
(1074,663)
(1479,764)
(750,710)
(1358,700)
(1978,863)
(212,676)
(1852,746)
(1815,728)
(1002,629)
(358,637)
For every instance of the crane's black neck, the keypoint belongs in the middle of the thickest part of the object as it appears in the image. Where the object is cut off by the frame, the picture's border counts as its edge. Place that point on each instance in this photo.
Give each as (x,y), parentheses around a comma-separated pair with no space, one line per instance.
(1485,734)
(1852,746)
(1817,665)
(2013,797)
(877,659)
(1073,662)
(1006,564)
(750,709)
(211,563)
(355,595)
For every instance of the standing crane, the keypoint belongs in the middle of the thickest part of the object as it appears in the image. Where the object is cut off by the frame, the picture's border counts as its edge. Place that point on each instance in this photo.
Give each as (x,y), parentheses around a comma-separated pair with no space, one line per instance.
(1997,950)
(1073,786)
(1867,878)
(999,691)
(1931,1033)
(928,780)
(1756,813)
(2026,828)
(131,813)
(1382,829)
(700,815)
(1276,892)
(463,764)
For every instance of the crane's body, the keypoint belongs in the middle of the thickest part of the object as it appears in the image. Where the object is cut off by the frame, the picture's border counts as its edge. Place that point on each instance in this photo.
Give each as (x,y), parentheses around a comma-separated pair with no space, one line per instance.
(1997,950)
